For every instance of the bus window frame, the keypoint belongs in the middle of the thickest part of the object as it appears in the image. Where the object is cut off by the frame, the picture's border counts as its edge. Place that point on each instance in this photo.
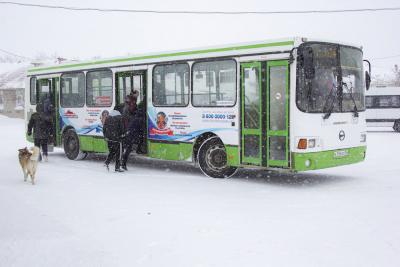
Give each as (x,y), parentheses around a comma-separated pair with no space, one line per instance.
(236,82)
(112,87)
(189,84)
(300,47)
(30,90)
(84,89)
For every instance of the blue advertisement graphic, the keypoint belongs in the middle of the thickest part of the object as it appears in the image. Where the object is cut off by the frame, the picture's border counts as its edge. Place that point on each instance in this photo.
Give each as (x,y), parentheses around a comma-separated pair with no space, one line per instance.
(65,116)
(158,130)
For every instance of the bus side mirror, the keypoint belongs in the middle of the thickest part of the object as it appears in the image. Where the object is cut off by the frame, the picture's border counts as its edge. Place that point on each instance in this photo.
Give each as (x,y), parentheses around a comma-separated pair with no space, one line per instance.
(368,75)
(308,63)
(367,80)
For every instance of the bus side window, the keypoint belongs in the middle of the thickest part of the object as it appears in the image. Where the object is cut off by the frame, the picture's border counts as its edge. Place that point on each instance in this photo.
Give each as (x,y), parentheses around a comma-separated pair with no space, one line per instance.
(169,86)
(99,88)
(214,83)
(72,94)
(32,91)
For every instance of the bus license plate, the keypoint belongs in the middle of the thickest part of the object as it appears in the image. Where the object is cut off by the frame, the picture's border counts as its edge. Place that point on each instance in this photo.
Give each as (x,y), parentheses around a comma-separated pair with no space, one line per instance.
(341,154)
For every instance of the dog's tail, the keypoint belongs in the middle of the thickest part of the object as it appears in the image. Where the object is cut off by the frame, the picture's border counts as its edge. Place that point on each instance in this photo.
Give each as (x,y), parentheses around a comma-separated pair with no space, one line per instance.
(35,153)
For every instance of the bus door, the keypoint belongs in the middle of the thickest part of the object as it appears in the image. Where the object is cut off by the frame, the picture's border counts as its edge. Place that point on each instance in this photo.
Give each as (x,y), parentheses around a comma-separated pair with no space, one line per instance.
(126,83)
(251,144)
(47,93)
(264,124)
(56,113)
(277,113)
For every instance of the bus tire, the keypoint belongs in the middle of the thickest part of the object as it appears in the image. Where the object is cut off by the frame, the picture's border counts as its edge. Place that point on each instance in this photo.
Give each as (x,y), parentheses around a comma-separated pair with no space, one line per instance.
(212,159)
(396,125)
(71,146)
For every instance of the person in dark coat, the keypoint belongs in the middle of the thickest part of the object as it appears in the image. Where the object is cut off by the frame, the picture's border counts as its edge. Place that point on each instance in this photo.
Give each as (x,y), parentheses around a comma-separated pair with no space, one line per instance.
(41,124)
(135,124)
(114,132)
(47,105)
(129,108)
(48,109)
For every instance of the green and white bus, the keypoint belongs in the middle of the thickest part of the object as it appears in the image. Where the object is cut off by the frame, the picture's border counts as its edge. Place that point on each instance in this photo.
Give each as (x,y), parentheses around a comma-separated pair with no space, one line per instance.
(294,104)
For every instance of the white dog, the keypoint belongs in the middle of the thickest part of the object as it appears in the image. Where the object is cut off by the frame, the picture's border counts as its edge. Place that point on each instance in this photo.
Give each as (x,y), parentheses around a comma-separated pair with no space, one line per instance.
(28,158)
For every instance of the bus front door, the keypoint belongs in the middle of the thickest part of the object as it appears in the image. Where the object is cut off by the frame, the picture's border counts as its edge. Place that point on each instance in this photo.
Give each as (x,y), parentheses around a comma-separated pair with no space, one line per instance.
(264,112)
(277,111)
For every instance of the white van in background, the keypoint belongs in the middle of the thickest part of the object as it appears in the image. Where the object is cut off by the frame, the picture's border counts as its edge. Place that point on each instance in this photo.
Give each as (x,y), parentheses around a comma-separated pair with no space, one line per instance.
(383,107)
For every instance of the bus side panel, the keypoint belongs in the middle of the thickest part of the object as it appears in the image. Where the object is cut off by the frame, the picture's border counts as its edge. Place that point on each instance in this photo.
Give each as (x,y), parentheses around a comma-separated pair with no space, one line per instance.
(173,130)
(93,144)
(87,125)
(174,151)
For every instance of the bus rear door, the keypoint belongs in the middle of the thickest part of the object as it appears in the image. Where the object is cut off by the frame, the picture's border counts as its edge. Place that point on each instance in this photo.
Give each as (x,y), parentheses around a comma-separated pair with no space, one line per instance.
(47,88)
(127,82)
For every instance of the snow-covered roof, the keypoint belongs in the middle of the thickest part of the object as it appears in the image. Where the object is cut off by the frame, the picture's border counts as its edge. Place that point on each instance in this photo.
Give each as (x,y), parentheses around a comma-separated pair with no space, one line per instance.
(386,90)
(12,75)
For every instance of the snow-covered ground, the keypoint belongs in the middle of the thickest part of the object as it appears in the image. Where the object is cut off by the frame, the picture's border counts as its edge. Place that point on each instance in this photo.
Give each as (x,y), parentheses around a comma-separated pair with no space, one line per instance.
(163,214)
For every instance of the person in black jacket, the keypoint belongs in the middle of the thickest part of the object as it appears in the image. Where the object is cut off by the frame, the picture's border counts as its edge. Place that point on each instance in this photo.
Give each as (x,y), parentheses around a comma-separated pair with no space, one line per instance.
(135,125)
(114,132)
(41,125)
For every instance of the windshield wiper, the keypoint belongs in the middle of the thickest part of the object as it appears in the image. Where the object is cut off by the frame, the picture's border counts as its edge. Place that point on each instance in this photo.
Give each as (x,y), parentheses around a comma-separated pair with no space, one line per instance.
(328,111)
(355,110)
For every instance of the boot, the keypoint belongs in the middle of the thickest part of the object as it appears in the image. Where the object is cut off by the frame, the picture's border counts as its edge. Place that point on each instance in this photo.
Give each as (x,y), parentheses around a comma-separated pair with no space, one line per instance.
(123,166)
(119,169)
(45,158)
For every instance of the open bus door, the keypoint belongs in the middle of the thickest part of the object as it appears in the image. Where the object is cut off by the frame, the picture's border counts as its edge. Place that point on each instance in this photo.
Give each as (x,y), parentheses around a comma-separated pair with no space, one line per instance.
(265,112)
(47,93)
(127,82)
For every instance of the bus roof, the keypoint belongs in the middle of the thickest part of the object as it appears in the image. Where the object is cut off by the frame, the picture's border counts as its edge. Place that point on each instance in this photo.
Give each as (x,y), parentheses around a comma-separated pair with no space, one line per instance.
(387,90)
(258,47)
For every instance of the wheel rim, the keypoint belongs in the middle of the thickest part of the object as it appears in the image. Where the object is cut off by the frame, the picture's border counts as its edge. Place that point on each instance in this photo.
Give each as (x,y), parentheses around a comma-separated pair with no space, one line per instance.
(71,146)
(216,158)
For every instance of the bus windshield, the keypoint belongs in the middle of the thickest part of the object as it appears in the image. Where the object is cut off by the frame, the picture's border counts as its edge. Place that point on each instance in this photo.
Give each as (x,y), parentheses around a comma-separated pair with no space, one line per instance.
(336,80)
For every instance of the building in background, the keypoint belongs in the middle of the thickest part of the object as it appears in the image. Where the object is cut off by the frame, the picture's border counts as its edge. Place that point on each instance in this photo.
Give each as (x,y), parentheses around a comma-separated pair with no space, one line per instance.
(12,92)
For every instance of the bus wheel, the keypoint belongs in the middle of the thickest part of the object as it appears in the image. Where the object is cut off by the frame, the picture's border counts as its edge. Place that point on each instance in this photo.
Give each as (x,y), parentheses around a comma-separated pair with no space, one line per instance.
(71,146)
(396,125)
(213,159)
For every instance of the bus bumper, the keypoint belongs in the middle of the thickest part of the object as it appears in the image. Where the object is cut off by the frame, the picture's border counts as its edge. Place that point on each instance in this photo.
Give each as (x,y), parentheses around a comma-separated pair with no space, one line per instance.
(327,159)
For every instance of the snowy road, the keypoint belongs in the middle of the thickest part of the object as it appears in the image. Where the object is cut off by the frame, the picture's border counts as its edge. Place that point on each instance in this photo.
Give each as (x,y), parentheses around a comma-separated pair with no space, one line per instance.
(159,214)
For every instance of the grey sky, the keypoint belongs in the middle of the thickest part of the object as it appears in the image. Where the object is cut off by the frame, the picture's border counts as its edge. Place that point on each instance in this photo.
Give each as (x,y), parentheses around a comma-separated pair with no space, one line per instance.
(30,31)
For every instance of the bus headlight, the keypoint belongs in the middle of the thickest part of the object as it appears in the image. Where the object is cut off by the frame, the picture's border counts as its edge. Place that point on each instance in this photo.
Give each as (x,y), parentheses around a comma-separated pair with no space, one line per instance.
(311,143)
(363,137)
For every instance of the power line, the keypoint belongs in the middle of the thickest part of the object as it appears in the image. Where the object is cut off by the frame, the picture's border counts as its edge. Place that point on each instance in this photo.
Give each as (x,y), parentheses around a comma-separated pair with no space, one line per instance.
(201,12)
(13,54)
